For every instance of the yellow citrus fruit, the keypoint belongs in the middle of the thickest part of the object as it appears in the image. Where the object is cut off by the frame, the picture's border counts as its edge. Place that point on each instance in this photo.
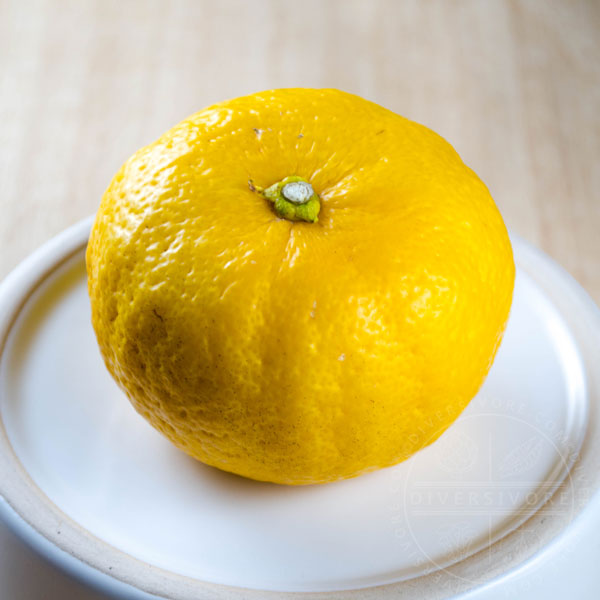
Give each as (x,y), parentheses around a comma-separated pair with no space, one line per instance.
(299,286)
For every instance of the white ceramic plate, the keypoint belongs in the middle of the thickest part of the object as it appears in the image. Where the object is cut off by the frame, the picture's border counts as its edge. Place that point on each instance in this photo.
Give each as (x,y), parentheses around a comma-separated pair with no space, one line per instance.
(94,479)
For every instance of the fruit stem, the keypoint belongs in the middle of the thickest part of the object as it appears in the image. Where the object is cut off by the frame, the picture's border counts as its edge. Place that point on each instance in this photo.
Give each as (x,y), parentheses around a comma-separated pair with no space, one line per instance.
(293,198)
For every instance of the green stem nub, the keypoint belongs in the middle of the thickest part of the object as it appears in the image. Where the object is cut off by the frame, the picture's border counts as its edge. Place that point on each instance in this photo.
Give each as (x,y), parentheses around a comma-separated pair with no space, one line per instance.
(294,199)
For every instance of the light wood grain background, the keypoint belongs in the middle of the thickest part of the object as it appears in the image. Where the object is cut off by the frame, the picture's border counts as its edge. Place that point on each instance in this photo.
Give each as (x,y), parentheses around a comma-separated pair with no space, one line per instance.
(514,86)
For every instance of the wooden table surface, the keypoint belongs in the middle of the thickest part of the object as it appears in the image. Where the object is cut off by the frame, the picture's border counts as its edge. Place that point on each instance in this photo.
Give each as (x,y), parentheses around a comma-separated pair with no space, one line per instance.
(514,86)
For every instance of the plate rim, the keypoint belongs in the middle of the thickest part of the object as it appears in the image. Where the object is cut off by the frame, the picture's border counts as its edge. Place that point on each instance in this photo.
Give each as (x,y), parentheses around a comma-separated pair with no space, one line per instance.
(15,291)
